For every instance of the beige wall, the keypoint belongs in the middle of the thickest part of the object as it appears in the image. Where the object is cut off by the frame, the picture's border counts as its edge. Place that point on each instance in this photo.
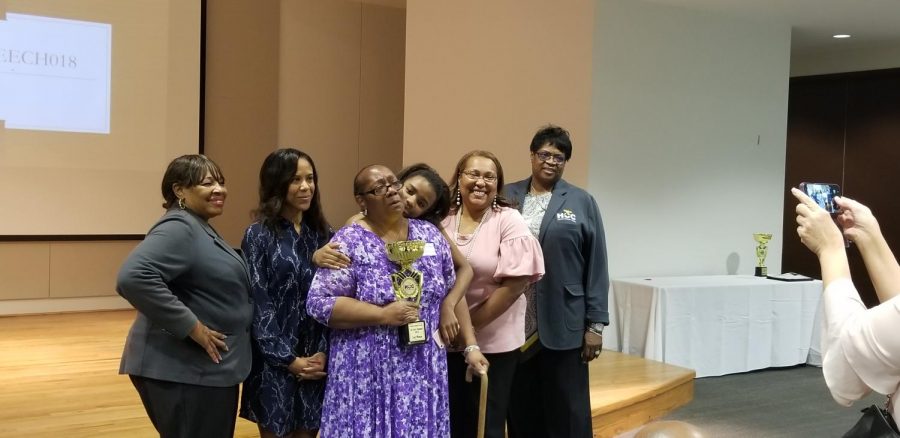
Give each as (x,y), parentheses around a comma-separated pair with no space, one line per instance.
(486,75)
(241,125)
(324,77)
(383,67)
(341,91)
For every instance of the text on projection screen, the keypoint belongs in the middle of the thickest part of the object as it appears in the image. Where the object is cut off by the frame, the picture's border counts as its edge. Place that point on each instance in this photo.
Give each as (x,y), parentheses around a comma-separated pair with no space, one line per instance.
(54,74)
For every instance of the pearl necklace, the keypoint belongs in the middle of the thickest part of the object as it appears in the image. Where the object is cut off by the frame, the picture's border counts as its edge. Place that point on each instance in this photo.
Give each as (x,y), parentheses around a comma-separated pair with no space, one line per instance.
(468,243)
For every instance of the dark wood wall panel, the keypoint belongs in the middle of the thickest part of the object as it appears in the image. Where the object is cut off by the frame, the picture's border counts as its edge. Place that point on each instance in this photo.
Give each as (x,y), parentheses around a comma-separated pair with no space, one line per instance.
(844,129)
(815,149)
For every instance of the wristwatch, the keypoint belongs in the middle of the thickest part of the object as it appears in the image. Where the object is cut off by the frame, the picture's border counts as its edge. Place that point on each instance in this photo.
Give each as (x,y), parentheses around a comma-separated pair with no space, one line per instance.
(595,328)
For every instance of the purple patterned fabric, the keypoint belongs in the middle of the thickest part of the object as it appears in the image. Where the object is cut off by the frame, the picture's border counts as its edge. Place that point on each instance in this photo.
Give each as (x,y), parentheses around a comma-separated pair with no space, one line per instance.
(375,387)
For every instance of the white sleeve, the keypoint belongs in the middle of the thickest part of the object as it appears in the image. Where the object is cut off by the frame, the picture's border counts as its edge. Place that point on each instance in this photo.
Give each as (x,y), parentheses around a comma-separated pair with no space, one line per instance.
(860,346)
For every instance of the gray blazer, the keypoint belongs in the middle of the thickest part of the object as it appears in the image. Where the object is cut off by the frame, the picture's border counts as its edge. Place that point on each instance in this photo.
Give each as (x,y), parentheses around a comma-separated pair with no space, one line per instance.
(181,273)
(575,287)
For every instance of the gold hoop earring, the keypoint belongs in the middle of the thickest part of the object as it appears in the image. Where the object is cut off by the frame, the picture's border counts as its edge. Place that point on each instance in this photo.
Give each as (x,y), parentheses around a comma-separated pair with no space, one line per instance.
(181,203)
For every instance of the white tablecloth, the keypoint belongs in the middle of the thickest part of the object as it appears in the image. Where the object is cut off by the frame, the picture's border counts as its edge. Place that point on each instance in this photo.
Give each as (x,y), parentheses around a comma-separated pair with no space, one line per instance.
(716,325)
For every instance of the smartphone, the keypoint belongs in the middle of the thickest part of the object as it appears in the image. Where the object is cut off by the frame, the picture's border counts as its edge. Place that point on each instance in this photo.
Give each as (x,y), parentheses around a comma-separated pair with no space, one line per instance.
(823,194)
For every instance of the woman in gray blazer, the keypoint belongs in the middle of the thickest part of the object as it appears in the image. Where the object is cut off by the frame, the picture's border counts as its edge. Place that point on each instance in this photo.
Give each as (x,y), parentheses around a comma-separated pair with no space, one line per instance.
(189,347)
(567,310)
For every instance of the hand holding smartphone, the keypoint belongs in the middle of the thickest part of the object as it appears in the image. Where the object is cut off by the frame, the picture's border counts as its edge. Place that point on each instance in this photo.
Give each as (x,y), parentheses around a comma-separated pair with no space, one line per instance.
(823,194)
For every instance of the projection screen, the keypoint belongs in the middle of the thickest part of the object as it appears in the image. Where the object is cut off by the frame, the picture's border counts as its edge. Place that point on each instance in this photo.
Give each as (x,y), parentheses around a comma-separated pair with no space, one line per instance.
(96,97)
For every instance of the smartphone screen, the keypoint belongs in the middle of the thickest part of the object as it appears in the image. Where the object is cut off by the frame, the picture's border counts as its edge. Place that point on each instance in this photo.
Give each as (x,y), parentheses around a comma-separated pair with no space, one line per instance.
(823,194)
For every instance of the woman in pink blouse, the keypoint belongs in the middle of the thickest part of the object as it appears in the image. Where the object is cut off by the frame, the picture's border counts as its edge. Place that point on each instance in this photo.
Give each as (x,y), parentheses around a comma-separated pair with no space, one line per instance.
(505,257)
(861,349)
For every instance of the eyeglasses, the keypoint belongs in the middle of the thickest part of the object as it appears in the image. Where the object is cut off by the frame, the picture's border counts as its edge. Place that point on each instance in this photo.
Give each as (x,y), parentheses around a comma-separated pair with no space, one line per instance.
(382,189)
(475,176)
(553,158)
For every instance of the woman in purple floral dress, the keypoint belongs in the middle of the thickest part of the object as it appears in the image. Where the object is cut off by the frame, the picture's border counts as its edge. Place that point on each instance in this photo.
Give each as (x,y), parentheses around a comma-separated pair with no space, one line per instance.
(377,387)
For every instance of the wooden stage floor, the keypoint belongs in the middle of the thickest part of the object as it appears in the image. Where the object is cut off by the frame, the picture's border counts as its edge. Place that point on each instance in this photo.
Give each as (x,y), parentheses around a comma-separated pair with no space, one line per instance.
(58,377)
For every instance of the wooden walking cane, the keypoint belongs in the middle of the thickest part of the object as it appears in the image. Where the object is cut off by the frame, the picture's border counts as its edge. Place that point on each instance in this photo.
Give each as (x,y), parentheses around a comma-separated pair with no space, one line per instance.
(482,404)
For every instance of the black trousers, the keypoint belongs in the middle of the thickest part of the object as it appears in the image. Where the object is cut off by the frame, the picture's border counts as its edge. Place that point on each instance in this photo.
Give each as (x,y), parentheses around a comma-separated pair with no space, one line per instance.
(180,410)
(464,395)
(551,396)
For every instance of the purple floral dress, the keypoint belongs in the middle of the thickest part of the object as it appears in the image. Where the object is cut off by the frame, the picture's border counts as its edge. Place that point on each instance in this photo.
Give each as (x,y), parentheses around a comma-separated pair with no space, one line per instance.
(376,388)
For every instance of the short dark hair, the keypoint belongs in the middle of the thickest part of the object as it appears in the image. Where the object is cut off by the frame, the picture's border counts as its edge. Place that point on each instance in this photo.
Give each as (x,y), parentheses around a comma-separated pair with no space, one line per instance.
(460,166)
(441,205)
(187,171)
(554,136)
(275,176)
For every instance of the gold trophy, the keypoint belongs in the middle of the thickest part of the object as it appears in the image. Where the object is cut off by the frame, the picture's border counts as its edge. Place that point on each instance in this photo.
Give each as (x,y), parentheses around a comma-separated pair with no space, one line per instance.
(761,251)
(407,284)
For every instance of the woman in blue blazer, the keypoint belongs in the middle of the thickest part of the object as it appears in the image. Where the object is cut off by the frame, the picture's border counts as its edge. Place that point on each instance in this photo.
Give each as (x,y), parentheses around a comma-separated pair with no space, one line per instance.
(189,347)
(567,309)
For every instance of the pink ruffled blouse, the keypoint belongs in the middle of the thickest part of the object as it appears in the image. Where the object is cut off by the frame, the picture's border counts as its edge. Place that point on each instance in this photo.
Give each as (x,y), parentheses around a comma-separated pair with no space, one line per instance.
(861,348)
(501,247)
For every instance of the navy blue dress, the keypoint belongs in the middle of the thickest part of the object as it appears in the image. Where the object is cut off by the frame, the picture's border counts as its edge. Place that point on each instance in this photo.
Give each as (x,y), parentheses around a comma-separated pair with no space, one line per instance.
(281,271)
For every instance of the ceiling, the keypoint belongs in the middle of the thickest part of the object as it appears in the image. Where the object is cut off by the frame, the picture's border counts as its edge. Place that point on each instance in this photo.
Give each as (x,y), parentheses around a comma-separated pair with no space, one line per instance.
(872,23)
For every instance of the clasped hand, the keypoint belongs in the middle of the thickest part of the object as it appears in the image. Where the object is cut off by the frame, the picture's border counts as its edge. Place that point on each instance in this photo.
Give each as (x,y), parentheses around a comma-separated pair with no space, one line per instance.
(309,368)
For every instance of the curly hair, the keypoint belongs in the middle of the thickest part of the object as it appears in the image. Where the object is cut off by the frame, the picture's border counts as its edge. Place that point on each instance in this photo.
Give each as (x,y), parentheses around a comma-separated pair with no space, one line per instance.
(441,205)
(461,165)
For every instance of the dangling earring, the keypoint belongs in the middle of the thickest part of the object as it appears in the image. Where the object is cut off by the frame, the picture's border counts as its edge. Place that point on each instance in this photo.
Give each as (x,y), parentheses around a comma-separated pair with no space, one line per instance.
(458,197)
(365,212)
(181,203)
(494,203)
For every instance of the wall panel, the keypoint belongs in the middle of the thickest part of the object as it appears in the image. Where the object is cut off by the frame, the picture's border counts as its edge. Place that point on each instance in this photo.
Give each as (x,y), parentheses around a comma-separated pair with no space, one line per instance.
(487,75)
(24,270)
(843,129)
(86,269)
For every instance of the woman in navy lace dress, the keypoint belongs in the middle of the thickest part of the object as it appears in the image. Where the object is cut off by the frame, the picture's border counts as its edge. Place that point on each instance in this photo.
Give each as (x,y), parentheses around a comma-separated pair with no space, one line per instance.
(286,386)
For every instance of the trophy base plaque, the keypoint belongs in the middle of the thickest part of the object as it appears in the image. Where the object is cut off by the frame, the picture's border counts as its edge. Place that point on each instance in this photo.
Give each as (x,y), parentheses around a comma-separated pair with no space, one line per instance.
(412,333)
(761,271)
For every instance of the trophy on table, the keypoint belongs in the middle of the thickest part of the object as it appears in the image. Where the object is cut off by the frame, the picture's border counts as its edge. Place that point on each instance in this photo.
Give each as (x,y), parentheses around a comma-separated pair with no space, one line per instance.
(407,285)
(761,251)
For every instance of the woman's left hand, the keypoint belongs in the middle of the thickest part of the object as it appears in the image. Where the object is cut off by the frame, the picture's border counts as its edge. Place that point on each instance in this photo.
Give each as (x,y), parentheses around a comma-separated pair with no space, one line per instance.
(593,344)
(815,226)
(210,340)
(449,324)
(478,364)
(330,256)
